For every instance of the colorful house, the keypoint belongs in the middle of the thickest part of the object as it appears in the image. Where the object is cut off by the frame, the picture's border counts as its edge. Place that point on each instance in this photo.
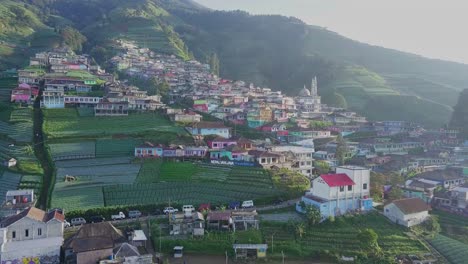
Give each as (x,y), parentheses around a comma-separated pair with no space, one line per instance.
(24,93)
(148,150)
(199,152)
(220,143)
(220,154)
(201,105)
(260,116)
(205,128)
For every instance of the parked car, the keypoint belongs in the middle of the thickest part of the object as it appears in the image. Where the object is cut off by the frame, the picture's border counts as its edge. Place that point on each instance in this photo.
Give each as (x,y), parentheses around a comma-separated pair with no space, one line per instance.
(66,224)
(204,207)
(170,210)
(189,208)
(97,219)
(234,205)
(247,204)
(118,216)
(158,212)
(77,221)
(134,214)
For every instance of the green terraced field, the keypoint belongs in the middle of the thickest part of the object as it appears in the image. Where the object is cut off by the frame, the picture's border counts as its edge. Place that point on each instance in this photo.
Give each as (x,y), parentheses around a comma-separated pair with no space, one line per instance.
(8,182)
(67,151)
(60,123)
(116,147)
(340,236)
(454,250)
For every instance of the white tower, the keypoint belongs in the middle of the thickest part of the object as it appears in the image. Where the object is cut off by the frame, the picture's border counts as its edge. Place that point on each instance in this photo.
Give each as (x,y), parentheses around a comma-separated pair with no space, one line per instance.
(313,87)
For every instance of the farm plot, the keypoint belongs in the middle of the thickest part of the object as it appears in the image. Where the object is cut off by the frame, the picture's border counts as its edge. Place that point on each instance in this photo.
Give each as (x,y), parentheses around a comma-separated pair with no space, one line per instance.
(212,172)
(341,237)
(60,124)
(83,187)
(177,171)
(67,151)
(454,250)
(8,181)
(6,85)
(72,199)
(20,131)
(183,192)
(453,226)
(31,182)
(116,147)
(27,161)
(149,172)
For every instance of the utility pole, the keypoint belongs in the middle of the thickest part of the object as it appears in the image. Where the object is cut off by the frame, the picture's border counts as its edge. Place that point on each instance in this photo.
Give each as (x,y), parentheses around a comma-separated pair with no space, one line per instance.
(272,244)
(160,240)
(226,257)
(282,253)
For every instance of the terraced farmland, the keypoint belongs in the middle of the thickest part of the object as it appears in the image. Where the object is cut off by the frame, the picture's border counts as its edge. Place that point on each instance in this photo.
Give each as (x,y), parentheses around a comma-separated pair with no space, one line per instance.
(67,151)
(116,147)
(84,190)
(341,236)
(454,250)
(8,181)
(61,123)
(184,184)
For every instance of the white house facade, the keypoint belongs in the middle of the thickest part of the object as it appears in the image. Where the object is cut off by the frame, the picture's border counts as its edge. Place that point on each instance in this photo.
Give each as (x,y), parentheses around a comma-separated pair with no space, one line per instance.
(32,236)
(407,212)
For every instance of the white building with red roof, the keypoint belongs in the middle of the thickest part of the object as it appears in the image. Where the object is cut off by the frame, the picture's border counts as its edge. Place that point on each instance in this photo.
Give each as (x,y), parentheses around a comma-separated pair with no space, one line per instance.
(337,194)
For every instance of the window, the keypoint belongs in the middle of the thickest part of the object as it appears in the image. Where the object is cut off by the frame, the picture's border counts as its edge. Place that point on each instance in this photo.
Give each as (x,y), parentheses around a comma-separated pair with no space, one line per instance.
(39,231)
(263,160)
(13,234)
(341,188)
(26,233)
(364,186)
(350,187)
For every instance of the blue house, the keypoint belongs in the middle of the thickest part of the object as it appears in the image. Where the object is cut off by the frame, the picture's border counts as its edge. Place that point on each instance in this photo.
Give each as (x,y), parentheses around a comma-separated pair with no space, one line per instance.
(205,128)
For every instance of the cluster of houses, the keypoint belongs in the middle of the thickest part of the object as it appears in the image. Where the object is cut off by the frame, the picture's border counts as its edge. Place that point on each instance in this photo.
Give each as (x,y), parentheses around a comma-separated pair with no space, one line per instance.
(31,235)
(71,80)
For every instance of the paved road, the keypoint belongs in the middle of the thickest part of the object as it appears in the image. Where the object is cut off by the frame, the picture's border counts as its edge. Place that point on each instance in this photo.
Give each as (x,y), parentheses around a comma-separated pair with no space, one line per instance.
(278,206)
(282,217)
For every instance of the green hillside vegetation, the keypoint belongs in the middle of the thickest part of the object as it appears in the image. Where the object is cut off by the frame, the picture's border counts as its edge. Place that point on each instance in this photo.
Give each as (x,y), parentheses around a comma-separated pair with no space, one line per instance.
(280,52)
(460,115)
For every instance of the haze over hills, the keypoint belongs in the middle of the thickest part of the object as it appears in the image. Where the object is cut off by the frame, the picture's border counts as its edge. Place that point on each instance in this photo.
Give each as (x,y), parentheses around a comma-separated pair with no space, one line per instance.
(279,52)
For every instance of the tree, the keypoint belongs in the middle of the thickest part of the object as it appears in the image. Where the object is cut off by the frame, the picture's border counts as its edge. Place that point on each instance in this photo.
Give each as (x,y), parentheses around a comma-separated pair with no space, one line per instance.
(214,63)
(300,229)
(377,182)
(395,194)
(341,150)
(73,38)
(313,215)
(368,240)
(322,167)
(163,88)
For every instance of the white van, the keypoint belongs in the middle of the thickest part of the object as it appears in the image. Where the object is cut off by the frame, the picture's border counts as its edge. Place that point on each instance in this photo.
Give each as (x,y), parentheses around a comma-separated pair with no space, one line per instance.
(188,208)
(78,221)
(247,204)
(134,214)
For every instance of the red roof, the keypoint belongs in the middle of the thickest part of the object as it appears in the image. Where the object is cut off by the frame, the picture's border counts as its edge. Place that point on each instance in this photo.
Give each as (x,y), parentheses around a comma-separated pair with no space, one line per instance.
(339,179)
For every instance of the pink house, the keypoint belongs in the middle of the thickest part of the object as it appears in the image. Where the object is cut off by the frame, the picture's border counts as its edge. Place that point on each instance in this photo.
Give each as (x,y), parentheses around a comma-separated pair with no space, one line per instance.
(24,93)
(221,143)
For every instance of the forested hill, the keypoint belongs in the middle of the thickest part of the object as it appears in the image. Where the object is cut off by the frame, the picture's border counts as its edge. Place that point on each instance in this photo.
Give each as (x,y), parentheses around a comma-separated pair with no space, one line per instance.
(460,115)
(279,52)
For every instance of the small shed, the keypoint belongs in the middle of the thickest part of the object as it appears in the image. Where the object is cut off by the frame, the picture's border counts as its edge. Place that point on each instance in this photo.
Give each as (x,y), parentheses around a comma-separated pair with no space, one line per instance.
(139,238)
(10,163)
(178,251)
(250,250)
(219,220)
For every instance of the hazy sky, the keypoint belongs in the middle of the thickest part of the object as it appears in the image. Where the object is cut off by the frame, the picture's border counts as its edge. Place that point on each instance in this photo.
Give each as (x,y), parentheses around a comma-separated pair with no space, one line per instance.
(433,28)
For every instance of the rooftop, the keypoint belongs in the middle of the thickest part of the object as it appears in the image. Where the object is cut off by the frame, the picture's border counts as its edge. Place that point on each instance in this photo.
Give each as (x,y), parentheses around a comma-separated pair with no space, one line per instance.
(411,205)
(334,180)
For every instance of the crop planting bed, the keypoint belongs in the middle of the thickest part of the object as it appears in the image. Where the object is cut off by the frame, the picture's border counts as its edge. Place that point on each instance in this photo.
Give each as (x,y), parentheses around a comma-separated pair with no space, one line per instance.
(341,236)
(453,226)
(184,192)
(67,123)
(85,190)
(116,147)
(454,250)
(78,198)
(67,151)
(8,182)
(31,182)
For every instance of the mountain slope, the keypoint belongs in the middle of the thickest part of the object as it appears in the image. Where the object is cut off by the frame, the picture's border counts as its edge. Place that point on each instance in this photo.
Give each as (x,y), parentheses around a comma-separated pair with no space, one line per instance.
(275,51)
(460,115)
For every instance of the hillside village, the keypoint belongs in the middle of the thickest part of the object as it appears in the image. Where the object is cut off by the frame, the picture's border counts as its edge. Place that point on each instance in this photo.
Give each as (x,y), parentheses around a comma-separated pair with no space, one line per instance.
(226,153)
